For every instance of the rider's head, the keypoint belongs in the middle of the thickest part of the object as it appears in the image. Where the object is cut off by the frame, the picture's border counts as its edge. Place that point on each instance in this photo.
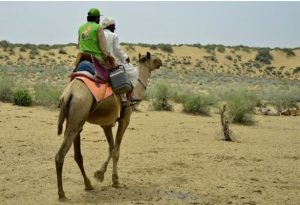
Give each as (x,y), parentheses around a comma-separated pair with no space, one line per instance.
(93,15)
(108,23)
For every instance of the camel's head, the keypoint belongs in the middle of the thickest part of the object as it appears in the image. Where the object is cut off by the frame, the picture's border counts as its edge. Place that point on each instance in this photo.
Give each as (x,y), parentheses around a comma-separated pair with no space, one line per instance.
(150,61)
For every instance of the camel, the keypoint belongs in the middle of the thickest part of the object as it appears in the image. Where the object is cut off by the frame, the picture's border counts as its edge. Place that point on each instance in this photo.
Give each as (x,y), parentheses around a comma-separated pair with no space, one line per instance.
(77,106)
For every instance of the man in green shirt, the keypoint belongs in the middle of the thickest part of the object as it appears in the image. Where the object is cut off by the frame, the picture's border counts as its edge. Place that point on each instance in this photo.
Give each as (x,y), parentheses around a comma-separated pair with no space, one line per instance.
(91,38)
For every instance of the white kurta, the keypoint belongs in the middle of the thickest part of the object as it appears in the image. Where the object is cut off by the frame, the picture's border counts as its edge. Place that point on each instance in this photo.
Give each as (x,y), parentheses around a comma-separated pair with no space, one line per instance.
(120,56)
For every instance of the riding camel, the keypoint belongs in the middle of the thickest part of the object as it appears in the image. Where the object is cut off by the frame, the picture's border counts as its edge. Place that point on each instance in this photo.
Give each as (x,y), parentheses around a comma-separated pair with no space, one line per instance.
(77,106)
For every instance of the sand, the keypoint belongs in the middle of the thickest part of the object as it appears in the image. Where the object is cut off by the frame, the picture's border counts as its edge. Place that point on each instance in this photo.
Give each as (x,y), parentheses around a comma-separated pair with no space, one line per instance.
(166,158)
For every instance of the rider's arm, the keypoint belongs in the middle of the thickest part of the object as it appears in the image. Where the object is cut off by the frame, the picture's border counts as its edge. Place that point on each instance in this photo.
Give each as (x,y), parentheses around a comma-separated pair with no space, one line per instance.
(118,52)
(102,43)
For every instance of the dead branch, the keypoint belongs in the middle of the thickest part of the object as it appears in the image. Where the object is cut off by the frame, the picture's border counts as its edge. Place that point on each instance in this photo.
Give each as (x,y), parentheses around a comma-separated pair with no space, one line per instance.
(225,125)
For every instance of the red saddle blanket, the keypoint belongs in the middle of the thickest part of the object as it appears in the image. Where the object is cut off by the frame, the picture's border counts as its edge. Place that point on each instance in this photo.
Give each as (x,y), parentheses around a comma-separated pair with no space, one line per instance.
(99,90)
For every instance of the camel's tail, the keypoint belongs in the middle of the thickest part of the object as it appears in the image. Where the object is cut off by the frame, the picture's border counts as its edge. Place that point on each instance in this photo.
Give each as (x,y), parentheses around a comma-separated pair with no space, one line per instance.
(64,105)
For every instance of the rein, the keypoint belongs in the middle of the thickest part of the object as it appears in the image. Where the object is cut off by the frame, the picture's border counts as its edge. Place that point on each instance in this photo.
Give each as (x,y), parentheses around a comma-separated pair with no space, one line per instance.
(143,84)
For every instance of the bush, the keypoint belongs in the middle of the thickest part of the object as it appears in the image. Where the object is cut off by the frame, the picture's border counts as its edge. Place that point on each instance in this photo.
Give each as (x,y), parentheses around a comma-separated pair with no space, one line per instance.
(198,104)
(289,52)
(221,49)
(161,95)
(240,105)
(6,87)
(4,44)
(153,47)
(34,52)
(22,98)
(22,49)
(296,70)
(229,57)
(264,56)
(166,47)
(62,51)
(46,95)
(282,98)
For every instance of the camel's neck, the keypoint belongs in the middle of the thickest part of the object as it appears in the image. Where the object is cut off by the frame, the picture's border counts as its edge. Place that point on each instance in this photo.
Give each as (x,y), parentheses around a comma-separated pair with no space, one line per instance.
(144,75)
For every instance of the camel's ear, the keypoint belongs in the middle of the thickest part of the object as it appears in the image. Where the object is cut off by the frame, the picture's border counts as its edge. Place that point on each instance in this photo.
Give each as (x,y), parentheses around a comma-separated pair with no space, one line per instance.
(140,55)
(148,55)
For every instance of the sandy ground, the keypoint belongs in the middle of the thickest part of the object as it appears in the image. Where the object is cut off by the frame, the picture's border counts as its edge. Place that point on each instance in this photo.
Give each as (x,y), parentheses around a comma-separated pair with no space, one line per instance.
(166,158)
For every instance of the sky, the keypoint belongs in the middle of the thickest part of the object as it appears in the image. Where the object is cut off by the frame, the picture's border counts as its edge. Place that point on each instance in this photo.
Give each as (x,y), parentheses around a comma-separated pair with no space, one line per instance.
(261,24)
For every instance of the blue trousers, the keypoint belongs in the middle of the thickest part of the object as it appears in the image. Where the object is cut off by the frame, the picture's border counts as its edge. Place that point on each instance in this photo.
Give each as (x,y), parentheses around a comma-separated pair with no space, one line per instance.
(86,66)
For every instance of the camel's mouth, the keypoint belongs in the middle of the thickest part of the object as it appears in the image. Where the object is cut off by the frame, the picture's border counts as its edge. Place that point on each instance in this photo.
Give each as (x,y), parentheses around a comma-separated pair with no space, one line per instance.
(158,64)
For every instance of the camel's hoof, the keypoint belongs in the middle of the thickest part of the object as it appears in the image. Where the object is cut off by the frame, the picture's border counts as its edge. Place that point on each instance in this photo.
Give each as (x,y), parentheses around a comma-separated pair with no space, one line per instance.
(63,198)
(99,175)
(89,187)
(116,185)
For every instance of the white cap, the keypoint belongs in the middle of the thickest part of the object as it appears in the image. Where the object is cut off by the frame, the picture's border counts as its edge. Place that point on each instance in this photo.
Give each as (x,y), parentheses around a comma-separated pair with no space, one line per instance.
(107,22)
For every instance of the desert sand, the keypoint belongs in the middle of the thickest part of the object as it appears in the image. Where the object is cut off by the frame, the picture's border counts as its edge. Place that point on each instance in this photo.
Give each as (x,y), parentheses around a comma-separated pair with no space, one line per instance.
(166,158)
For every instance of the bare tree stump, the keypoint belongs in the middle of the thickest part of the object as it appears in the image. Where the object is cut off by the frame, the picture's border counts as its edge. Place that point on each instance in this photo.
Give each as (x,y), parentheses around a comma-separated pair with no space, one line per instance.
(225,125)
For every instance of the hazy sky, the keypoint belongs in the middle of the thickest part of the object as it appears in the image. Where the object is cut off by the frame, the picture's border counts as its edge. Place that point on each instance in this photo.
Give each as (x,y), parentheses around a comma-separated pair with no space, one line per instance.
(272,24)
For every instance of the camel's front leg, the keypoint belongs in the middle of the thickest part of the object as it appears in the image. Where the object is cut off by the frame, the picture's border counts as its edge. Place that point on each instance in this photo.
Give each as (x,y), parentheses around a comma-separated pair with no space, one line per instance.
(123,124)
(99,174)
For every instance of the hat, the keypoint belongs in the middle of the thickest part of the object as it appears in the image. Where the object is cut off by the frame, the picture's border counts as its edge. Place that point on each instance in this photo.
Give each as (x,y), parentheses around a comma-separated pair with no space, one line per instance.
(94,12)
(107,22)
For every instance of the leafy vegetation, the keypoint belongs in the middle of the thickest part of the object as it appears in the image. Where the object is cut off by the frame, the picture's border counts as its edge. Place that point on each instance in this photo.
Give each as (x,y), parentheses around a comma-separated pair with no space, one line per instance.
(46,95)
(161,96)
(6,89)
(296,70)
(198,104)
(165,47)
(22,98)
(264,56)
(241,103)
(289,52)
(62,51)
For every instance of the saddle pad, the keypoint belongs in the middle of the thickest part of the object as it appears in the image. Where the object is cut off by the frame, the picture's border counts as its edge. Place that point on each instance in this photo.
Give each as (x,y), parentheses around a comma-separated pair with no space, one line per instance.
(100,91)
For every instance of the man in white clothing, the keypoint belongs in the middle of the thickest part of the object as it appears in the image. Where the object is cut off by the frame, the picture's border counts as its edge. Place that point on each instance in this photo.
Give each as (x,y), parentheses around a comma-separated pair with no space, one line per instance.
(114,48)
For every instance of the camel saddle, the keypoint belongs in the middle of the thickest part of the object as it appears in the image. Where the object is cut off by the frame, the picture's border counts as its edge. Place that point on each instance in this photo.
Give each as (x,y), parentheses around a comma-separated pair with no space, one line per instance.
(101,68)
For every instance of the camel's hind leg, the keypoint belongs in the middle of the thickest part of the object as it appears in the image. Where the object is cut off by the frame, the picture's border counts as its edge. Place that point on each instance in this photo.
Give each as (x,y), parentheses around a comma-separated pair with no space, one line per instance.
(59,160)
(78,158)
(99,174)
(123,124)
(75,122)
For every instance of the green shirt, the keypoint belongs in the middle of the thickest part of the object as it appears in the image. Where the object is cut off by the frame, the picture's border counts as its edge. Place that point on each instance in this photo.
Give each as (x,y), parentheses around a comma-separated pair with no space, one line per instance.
(88,39)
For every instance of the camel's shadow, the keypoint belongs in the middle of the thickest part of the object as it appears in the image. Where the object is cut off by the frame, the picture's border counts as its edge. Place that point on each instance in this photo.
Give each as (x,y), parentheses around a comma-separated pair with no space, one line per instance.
(134,193)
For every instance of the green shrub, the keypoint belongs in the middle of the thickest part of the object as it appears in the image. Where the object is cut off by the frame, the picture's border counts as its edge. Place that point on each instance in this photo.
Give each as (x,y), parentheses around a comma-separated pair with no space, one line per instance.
(283,97)
(6,87)
(166,47)
(229,57)
(264,56)
(46,95)
(198,104)
(22,98)
(161,96)
(241,103)
(22,49)
(221,49)
(296,70)
(62,51)
(153,47)
(289,52)
(34,52)
(4,44)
